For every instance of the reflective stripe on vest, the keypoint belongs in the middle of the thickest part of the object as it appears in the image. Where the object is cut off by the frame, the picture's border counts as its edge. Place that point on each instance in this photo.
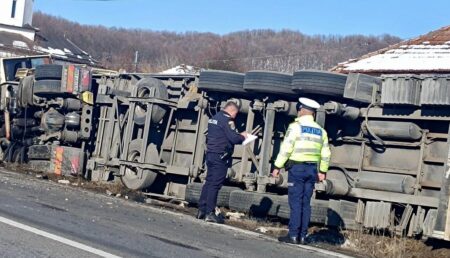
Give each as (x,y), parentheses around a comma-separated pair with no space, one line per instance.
(309,144)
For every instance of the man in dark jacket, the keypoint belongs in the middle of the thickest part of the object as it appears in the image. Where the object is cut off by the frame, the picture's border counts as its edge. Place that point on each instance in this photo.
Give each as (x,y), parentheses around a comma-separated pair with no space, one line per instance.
(221,138)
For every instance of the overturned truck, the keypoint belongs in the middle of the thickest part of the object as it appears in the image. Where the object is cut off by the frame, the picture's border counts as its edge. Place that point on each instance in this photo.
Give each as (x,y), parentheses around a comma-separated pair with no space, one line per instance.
(389,138)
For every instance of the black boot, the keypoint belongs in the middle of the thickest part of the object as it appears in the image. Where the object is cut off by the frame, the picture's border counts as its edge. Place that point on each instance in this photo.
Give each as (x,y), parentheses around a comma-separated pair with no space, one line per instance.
(212,217)
(201,214)
(288,239)
(302,241)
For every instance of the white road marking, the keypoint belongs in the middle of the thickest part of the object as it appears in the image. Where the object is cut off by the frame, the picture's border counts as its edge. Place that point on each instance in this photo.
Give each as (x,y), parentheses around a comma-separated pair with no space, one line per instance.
(57,238)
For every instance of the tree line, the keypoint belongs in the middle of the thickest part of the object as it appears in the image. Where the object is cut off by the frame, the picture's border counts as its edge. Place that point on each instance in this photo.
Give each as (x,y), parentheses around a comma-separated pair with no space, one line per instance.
(263,49)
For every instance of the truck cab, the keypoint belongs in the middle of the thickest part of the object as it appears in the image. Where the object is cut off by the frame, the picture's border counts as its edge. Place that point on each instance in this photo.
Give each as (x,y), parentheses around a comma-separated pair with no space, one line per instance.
(10,65)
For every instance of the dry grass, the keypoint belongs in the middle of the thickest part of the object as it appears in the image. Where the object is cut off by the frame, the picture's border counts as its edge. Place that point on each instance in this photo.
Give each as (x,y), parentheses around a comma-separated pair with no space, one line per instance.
(384,246)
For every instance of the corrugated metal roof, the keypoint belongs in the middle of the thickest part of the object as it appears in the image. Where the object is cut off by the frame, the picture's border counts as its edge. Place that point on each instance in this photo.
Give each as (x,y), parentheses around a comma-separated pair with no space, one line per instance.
(9,40)
(61,47)
(428,53)
(58,46)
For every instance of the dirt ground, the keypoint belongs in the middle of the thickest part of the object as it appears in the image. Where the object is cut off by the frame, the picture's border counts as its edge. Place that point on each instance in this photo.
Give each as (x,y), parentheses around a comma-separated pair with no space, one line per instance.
(354,243)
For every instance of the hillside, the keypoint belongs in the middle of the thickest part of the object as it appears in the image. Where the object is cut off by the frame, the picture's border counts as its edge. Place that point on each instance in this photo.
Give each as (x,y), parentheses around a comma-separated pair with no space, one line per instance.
(239,51)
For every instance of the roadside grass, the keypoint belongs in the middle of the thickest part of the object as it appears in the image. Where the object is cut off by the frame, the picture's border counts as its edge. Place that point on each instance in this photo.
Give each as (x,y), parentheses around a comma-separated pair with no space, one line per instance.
(382,245)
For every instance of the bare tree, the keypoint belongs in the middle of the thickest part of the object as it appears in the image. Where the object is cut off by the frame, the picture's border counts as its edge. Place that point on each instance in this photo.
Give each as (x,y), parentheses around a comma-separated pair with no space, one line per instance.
(284,50)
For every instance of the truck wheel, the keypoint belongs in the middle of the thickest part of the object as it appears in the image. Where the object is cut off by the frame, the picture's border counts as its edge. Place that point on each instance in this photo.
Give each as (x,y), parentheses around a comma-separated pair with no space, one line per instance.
(26,91)
(131,179)
(144,87)
(194,190)
(221,81)
(319,82)
(47,87)
(256,204)
(48,72)
(319,210)
(268,82)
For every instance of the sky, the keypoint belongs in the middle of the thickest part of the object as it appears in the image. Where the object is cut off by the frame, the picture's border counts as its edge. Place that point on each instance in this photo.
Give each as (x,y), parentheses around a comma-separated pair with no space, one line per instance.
(402,18)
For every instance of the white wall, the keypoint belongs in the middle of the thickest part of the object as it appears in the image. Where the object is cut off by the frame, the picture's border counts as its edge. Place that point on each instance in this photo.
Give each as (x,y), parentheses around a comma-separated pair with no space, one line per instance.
(23,14)
(28,12)
(27,33)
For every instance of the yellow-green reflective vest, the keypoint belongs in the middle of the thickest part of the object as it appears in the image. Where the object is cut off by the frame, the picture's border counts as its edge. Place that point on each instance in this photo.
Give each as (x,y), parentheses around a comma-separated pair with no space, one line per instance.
(305,141)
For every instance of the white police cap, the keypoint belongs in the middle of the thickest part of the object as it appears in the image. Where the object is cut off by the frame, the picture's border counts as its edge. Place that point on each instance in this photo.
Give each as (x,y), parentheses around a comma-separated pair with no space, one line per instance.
(308,104)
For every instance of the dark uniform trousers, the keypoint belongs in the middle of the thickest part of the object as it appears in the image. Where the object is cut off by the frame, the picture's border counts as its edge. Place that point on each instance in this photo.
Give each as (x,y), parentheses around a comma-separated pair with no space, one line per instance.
(301,179)
(217,172)
(220,141)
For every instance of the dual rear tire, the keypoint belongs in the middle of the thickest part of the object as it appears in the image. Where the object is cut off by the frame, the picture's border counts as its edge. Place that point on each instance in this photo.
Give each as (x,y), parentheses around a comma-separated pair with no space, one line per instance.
(307,82)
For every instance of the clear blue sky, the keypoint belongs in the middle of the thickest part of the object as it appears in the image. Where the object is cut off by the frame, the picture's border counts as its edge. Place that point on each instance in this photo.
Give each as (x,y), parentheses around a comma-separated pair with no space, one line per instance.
(403,18)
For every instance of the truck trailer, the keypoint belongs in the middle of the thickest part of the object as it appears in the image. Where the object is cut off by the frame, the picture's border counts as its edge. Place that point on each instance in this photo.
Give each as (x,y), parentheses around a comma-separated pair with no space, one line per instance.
(389,138)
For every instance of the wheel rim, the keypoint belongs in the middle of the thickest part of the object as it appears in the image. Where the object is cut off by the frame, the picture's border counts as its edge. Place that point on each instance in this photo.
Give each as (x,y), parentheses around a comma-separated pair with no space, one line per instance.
(131,173)
(131,178)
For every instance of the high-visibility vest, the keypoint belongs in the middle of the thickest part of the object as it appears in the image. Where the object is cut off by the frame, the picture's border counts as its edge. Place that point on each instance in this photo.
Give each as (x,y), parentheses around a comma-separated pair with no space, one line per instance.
(305,141)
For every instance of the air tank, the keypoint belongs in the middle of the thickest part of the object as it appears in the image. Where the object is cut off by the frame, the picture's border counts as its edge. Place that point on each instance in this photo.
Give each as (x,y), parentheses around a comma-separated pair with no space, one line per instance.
(394,130)
(385,182)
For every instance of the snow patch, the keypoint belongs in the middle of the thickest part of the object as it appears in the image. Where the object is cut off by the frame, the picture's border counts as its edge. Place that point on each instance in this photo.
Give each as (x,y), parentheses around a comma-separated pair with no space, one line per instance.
(411,58)
(182,69)
(50,50)
(20,44)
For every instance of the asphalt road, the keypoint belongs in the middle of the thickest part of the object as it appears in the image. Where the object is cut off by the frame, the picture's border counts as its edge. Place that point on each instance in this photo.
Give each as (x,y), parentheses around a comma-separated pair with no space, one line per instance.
(39,218)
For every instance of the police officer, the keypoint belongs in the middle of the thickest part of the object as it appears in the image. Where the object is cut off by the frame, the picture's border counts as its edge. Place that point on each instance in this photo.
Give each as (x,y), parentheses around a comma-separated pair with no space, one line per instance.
(220,141)
(303,152)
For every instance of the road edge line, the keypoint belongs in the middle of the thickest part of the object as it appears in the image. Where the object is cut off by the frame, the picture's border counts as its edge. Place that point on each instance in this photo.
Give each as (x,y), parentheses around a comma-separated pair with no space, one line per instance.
(57,238)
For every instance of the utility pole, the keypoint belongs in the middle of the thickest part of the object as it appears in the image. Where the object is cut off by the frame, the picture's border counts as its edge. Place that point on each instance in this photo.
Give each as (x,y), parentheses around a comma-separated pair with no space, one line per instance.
(136,54)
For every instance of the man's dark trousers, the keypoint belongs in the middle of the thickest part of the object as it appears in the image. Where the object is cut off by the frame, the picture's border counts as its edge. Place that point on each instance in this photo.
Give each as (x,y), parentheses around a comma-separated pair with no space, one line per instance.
(217,172)
(301,179)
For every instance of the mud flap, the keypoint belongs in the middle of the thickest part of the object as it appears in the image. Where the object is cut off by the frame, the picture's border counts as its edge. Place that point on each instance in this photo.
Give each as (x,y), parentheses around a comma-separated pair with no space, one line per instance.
(66,161)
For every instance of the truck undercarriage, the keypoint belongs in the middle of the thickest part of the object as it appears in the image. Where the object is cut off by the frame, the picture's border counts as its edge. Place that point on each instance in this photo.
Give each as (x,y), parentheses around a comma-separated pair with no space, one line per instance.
(389,138)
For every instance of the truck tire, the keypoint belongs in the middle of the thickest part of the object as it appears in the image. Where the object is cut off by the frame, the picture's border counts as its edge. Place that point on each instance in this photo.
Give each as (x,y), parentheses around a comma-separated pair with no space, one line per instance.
(255,204)
(268,82)
(319,210)
(194,190)
(222,81)
(26,91)
(144,87)
(44,87)
(273,205)
(48,72)
(130,179)
(319,82)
